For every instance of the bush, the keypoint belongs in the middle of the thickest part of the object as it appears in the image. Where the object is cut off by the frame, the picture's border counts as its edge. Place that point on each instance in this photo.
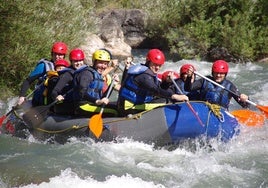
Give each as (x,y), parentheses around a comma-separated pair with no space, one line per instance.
(29,28)
(192,27)
(187,28)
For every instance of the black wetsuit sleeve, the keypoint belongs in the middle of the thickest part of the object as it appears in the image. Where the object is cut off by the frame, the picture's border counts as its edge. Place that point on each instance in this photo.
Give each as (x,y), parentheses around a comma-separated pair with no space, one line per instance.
(124,75)
(236,95)
(26,85)
(64,79)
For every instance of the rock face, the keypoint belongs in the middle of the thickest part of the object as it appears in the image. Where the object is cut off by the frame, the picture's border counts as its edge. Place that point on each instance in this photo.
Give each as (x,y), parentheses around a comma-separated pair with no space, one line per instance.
(119,32)
(92,43)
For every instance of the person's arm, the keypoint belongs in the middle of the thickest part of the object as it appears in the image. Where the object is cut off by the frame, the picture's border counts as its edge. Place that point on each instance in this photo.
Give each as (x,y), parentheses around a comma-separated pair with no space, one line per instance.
(26,85)
(147,82)
(64,79)
(239,98)
(38,72)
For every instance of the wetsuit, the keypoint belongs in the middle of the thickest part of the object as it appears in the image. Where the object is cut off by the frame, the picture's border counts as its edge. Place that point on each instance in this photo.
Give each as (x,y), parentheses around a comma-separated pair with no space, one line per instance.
(148,89)
(214,94)
(64,84)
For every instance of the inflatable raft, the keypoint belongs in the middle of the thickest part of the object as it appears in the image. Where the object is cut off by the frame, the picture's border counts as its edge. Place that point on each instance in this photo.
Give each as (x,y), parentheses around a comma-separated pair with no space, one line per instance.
(168,124)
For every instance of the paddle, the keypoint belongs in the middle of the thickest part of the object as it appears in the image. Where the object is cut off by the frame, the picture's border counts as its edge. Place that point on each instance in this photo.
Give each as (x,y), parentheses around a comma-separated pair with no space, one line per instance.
(2,119)
(188,104)
(95,123)
(36,115)
(264,109)
(248,117)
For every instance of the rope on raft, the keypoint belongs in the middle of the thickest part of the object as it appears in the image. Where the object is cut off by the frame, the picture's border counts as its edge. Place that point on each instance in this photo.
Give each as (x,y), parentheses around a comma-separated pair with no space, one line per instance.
(73,127)
(216,109)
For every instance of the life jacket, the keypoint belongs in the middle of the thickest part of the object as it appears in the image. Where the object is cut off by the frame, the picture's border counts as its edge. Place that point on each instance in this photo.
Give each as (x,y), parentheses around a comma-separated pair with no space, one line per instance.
(94,88)
(51,81)
(131,91)
(216,95)
(49,66)
(192,95)
(38,97)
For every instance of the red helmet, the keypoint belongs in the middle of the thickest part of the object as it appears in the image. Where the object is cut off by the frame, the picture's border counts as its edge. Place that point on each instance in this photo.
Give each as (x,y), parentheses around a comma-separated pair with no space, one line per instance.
(220,66)
(156,56)
(159,76)
(184,68)
(77,55)
(59,48)
(166,73)
(62,62)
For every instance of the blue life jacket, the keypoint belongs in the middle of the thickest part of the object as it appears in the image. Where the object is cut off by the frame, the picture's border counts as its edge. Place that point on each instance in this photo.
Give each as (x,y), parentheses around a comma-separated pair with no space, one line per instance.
(215,94)
(94,88)
(41,69)
(130,91)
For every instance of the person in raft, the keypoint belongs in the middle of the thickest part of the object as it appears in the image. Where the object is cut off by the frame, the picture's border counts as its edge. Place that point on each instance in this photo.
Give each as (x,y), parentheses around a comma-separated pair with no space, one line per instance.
(63,89)
(215,94)
(88,87)
(61,66)
(141,89)
(58,51)
(185,71)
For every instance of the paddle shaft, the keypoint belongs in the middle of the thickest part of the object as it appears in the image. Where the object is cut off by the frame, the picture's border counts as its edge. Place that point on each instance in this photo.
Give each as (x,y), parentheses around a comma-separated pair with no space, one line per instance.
(217,84)
(110,89)
(187,102)
(95,123)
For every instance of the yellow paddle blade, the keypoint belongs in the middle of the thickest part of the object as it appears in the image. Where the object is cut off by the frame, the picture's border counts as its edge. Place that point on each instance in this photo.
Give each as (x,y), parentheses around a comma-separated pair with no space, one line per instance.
(264,109)
(95,125)
(248,117)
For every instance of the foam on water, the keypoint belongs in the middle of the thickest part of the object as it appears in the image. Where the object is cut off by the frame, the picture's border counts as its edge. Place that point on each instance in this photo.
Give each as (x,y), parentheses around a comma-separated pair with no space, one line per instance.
(242,162)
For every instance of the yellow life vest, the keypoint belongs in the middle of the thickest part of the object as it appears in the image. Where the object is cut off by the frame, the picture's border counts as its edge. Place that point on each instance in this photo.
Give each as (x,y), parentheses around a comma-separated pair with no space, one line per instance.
(50,74)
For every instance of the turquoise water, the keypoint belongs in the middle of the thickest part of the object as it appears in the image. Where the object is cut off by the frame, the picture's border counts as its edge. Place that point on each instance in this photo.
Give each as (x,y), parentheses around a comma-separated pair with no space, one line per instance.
(243,162)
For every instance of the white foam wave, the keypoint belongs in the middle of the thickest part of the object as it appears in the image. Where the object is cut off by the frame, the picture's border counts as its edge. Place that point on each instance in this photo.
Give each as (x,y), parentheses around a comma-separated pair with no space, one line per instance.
(69,179)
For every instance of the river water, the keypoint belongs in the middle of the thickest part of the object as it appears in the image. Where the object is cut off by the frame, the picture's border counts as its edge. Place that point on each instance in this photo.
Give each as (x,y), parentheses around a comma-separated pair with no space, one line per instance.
(242,162)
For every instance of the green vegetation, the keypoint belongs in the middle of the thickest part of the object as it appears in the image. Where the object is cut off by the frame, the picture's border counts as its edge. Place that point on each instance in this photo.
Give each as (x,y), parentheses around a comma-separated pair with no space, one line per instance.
(190,27)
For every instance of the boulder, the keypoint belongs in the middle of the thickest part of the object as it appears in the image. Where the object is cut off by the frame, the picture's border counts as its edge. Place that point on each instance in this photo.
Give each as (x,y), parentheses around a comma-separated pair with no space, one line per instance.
(118,31)
(92,43)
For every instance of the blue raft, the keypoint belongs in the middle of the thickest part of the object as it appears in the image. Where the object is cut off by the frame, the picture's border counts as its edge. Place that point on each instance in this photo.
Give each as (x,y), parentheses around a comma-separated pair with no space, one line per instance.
(168,124)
